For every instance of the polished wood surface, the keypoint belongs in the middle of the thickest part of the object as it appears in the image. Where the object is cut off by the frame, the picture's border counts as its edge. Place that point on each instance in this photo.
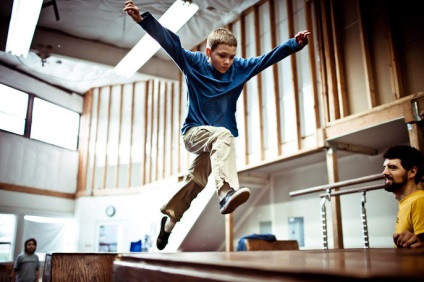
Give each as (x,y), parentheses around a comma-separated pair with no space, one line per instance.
(301,265)
(6,269)
(64,267)
(263,245)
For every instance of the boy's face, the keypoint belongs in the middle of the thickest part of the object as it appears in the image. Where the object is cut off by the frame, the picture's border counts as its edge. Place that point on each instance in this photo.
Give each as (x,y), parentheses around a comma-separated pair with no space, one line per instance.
(222,57)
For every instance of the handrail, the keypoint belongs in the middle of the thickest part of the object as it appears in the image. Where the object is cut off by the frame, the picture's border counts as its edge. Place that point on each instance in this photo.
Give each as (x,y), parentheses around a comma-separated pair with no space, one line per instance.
(353,190)
(338,185)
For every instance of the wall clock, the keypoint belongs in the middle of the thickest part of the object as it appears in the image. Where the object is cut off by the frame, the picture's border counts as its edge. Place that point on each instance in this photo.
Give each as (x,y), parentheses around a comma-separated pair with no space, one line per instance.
(110,211)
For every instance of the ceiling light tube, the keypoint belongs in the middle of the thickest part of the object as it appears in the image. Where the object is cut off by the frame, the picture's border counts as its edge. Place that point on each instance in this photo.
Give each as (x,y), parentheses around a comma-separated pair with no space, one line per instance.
(25,14)
(173,19)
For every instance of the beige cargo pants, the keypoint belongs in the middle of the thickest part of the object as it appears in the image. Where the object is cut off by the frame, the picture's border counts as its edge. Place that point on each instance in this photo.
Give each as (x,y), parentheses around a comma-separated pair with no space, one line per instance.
(214,147)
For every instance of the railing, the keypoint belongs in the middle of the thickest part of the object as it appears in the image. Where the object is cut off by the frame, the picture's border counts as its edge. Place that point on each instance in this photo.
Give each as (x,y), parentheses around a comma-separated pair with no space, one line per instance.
(326,197)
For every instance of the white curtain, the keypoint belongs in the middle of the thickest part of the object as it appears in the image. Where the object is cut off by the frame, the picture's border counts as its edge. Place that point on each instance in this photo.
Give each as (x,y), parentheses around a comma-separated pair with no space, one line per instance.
(50,236)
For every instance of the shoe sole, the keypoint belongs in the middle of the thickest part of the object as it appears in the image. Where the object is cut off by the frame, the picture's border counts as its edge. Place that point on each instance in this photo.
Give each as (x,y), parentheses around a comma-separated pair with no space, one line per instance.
(238,198)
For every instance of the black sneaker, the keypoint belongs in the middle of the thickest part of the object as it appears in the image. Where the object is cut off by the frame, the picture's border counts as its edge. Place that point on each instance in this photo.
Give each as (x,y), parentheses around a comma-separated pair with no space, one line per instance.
(163,236)
(233,199)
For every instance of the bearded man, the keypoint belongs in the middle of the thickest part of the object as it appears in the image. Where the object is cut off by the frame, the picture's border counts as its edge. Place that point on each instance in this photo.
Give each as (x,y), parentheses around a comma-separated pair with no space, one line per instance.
(27,264)
(403,171)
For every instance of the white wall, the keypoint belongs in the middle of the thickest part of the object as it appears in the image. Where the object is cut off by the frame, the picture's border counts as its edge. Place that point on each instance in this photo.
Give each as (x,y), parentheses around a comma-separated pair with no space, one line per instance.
(36,164)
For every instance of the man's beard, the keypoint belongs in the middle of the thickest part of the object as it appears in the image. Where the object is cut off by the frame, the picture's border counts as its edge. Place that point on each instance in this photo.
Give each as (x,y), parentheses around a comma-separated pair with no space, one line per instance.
(394,186)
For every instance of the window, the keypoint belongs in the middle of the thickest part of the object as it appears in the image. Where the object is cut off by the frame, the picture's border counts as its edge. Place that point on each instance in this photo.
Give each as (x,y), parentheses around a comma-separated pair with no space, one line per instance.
(54,124)
(7,234)
(13,109)
(50,123)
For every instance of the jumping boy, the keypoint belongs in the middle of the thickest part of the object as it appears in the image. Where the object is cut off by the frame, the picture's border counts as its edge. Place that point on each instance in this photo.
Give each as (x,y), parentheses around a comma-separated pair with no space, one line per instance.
(214,84)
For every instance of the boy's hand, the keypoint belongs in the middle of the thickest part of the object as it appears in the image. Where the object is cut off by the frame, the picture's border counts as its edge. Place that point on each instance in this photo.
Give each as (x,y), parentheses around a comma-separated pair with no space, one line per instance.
(302,37)
(133,11)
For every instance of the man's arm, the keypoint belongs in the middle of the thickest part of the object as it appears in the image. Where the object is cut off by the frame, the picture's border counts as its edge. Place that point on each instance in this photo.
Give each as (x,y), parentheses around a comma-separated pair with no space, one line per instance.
(407,239)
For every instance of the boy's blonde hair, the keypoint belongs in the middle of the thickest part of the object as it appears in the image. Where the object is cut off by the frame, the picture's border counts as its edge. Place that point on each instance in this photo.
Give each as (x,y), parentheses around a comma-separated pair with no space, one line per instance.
(221,36)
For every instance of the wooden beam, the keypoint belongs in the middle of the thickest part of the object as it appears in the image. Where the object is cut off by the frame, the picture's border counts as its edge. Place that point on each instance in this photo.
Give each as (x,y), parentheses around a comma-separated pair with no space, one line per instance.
(354,148)
(35,191)
(366,58)
(331,78)
(171,125)
(339,70)
(275,74)
(180,98)
(295,80)
(121,106)
(245,99)
(229,232)
(131,135)
(333,176)
(319,22)
(312,67)
(164,123)
(358,122)
(396,81)
(259,83)
(158,97)
(84,141)
(107,138)
(93,169)
(151,127)
(145,127)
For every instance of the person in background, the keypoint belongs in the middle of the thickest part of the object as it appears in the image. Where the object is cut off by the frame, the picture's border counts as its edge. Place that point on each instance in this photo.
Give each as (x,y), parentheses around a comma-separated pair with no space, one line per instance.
(403,170)
(27,264)
(214,81)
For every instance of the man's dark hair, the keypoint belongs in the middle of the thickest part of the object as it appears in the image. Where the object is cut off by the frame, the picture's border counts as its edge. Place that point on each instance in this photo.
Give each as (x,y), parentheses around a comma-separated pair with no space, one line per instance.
(29,240)
(409,157)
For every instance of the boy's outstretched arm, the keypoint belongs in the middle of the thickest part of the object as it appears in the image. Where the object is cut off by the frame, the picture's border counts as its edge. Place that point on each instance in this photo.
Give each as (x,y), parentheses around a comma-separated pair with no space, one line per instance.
(133,11)
(302,37)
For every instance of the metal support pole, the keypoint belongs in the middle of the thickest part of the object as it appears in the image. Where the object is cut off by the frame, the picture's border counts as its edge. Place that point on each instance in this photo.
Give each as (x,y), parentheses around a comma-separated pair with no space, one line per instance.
(324,219)
(364,221)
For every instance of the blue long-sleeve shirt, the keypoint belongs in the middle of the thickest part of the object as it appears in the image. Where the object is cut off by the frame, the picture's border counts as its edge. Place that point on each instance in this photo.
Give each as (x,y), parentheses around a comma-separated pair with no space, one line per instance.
(212,96)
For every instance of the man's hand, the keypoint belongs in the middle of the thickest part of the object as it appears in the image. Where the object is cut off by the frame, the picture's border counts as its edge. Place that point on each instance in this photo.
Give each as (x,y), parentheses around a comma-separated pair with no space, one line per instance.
(302,37)
(407,239)
(133,11)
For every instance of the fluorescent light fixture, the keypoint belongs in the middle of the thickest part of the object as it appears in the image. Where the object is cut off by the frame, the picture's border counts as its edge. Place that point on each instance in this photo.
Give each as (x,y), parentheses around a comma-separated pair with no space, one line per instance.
(173,19)
(25,14)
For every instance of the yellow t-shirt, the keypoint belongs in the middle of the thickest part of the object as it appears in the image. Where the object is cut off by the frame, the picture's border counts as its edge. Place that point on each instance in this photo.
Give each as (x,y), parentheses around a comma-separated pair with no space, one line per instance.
(411,213)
